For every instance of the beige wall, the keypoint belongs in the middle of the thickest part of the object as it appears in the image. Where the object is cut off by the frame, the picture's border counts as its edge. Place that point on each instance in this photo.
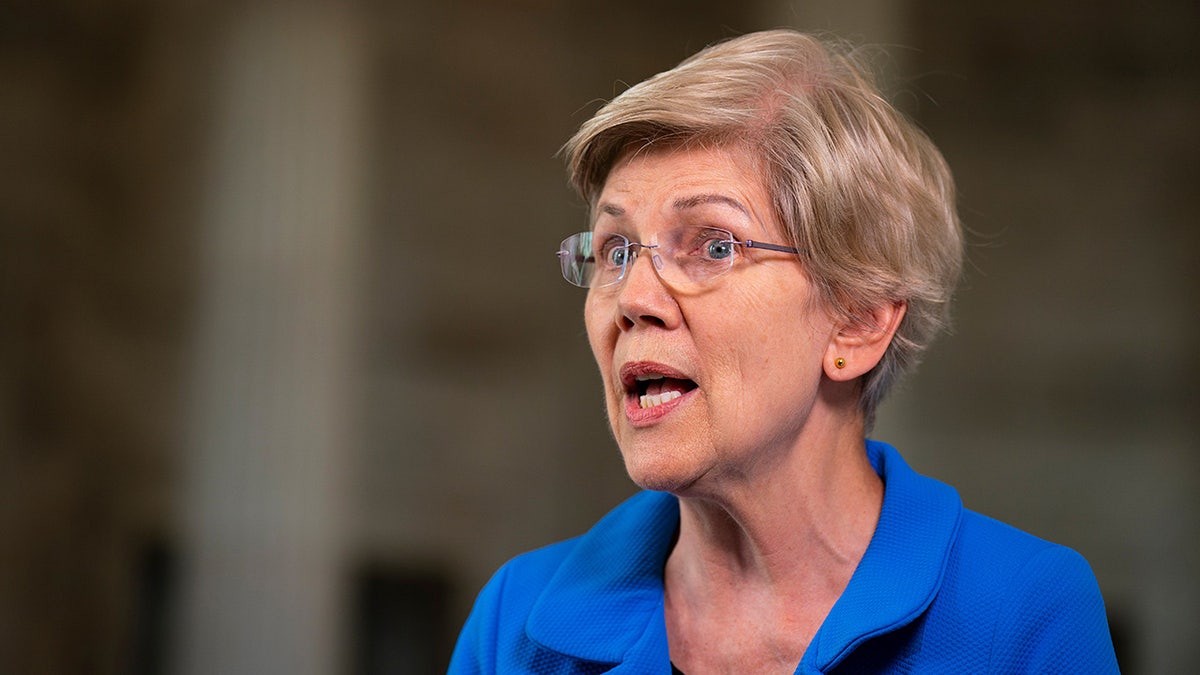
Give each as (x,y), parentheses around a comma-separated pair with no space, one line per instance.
(466,420)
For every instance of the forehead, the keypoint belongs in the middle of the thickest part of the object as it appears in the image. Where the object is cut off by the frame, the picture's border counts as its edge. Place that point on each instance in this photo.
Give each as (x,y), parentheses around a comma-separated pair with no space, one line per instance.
(653,179)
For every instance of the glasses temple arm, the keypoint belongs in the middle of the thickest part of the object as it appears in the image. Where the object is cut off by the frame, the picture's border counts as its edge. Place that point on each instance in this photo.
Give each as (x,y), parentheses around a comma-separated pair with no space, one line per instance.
(750,243)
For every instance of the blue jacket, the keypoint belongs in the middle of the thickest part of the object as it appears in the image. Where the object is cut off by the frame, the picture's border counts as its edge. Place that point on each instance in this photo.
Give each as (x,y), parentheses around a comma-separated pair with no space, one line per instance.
(940,589)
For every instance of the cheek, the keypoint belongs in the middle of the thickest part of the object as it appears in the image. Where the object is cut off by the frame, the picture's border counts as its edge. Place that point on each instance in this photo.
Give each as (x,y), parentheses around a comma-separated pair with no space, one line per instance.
(596,321)
(744,357)
(769,345)
(744,330)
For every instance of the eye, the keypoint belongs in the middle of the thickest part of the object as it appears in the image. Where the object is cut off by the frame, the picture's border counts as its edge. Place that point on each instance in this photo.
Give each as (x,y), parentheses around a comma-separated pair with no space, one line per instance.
(613,251)
(711,244)
(718,248)
(617,256)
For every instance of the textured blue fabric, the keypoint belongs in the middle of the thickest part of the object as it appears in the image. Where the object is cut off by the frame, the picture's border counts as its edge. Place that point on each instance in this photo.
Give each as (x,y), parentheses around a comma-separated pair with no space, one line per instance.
(940,589)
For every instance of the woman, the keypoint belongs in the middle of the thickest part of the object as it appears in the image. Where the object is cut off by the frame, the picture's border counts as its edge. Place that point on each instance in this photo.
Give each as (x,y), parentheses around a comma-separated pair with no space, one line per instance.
(771,244)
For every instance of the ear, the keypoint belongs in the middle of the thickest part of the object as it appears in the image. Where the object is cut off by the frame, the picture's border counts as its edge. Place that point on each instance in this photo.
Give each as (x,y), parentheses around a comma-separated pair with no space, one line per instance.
(860,344)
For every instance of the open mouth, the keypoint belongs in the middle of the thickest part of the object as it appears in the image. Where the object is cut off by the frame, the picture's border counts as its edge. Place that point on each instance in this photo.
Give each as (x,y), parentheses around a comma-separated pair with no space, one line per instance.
(650,386)
(653,390)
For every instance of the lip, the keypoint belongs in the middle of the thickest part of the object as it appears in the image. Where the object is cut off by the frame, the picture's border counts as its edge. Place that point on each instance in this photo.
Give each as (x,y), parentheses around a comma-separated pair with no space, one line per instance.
(632,369)
(637,416)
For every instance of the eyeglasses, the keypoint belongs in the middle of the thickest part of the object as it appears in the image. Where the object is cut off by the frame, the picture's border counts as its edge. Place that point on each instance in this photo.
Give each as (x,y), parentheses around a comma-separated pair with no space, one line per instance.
(683,256)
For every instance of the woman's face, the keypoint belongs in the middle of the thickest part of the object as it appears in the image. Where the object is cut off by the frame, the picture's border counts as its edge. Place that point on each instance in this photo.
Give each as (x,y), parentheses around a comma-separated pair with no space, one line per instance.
(710,383)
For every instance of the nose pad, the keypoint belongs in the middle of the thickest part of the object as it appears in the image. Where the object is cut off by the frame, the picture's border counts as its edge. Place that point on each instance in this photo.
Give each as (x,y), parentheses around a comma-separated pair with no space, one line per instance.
(635,254)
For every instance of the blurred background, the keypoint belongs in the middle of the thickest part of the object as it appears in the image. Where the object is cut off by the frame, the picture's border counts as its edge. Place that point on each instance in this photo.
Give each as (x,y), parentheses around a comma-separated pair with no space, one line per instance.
(287,368)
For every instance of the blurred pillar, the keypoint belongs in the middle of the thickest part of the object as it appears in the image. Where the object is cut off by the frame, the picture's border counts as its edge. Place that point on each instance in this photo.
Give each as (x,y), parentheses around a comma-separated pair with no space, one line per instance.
(262,568)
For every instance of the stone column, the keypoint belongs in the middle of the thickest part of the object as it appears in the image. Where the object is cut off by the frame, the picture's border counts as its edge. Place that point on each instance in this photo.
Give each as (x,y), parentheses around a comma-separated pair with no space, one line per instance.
(263,584)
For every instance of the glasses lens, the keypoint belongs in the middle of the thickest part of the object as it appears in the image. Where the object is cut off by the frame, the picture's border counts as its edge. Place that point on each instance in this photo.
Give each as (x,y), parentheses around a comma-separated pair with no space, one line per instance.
(696,254)
(686,255)
(578,263)
(590,261)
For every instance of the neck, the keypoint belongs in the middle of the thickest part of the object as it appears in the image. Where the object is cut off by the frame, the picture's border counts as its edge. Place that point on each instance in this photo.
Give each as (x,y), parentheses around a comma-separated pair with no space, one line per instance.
(811,517)
(765,557)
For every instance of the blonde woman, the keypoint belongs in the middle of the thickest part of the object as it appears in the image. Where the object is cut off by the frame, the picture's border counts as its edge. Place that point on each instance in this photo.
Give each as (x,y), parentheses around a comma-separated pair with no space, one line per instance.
(771,245)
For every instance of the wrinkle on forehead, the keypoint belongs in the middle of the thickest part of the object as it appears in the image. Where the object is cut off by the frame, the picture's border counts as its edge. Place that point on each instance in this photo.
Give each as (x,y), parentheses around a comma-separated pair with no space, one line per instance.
(738,191)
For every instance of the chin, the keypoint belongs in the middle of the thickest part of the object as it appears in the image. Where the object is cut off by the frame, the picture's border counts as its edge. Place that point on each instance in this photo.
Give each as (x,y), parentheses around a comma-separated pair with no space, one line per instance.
(660,471)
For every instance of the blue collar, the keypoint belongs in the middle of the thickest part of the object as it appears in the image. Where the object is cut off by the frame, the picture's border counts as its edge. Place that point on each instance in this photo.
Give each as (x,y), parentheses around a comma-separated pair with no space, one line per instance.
(615,572)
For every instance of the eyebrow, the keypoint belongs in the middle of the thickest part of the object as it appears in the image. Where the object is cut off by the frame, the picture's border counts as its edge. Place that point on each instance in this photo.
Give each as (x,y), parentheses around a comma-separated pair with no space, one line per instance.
(701,200)
(612,210)
(681,204)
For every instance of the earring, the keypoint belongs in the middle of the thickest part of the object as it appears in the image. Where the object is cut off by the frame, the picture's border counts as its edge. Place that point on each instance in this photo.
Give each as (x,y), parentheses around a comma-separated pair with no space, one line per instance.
(839,362)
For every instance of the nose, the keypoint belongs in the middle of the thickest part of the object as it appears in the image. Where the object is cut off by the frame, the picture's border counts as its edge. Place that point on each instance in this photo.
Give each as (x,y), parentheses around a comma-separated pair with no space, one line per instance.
(643,299)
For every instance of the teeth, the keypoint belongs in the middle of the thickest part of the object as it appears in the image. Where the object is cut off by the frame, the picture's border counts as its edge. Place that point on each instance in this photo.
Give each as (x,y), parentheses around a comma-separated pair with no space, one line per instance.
(648,376)
(651,400)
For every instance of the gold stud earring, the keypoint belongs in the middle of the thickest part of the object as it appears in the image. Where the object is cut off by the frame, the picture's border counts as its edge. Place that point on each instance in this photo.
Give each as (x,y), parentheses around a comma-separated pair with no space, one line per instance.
(839,362)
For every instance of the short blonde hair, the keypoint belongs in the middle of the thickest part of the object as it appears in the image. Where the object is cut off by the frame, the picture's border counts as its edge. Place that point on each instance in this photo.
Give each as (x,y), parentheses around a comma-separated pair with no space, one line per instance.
(859,189)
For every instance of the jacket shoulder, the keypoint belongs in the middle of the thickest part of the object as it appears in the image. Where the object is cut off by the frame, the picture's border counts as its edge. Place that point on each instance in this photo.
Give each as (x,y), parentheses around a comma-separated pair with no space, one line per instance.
(494,632)
(1026,604)
(538,612)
